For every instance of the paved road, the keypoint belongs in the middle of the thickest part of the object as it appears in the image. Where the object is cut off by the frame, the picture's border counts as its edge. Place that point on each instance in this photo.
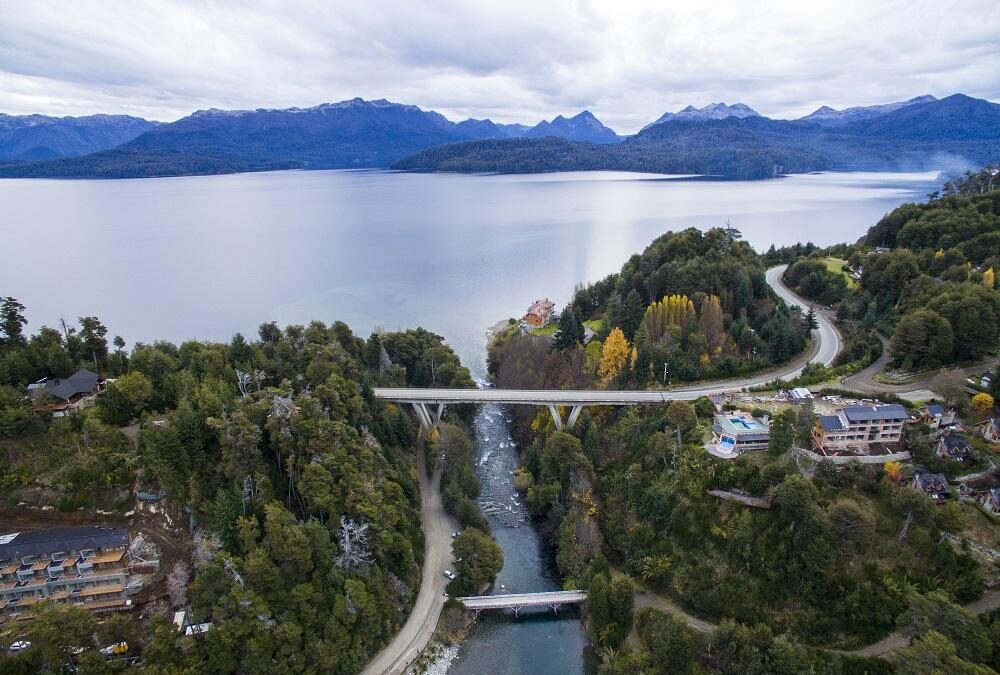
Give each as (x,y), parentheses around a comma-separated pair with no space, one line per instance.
(419,627)
(523,599)
(827,336)
(864,380)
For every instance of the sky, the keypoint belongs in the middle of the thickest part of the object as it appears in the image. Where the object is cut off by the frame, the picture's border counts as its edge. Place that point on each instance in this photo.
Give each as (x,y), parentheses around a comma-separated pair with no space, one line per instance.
(508,60)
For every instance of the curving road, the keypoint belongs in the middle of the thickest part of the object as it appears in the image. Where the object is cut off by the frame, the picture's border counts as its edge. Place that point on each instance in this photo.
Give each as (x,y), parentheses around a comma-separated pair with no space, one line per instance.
(827,336)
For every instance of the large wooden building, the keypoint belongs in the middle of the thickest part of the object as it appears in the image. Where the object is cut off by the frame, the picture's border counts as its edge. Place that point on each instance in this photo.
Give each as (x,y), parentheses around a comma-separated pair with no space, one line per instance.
(86,566)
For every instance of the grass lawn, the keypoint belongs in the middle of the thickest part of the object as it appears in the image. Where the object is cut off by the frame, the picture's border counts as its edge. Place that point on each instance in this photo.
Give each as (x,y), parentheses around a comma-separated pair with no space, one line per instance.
(834,265)
(550,330)
(547,331)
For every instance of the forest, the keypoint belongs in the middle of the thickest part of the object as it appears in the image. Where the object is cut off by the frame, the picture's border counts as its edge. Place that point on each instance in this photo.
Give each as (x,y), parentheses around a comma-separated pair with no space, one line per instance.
(928,275)
(693,305)
(302,487)
(842,558)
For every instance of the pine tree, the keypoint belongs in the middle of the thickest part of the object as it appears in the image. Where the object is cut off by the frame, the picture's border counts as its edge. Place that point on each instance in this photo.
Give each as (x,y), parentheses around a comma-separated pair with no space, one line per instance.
(811,320)
(12,321)
(633,313)
(570,333)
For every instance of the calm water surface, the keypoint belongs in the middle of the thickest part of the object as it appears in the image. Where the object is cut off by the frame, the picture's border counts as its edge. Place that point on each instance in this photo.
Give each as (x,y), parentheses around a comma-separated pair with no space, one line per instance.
(204,257)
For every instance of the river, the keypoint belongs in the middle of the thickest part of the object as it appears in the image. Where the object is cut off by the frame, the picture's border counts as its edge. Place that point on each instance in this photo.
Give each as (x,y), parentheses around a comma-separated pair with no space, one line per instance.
(537,641)
(204,257)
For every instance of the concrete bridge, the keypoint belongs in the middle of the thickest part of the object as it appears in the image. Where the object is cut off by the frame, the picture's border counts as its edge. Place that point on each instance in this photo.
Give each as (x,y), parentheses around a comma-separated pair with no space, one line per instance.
(429,404)
(554,600)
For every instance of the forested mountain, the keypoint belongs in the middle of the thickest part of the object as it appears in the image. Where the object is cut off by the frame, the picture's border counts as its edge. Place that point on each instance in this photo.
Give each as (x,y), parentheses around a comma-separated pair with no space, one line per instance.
(753,147)
(828,116)
(955,118)
(38,137)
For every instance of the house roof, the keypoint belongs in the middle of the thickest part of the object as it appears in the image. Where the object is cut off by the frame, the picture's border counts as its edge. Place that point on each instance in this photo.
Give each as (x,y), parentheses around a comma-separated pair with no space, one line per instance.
(82,381)
(541,307)
(935,410)
(956,442)
(865,413)
(830,423)
(931,482)
(44,542)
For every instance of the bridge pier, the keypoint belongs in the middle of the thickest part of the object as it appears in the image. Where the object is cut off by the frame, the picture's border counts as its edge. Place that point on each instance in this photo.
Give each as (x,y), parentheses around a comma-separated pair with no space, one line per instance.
(428,421)
(574,414)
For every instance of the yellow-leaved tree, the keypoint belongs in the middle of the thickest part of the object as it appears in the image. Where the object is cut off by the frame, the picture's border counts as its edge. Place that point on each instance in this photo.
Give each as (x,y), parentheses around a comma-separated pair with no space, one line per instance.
(614,354)
(893,471)
(990,279)
(982,402)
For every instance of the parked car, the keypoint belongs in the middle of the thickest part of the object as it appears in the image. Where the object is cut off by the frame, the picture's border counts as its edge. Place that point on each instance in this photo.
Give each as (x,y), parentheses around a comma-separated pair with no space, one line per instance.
(116,649)
(449,574)
(454,535)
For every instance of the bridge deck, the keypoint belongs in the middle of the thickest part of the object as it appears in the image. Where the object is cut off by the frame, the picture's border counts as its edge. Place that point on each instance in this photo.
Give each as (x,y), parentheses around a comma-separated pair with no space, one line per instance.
(519,600)
(528,396)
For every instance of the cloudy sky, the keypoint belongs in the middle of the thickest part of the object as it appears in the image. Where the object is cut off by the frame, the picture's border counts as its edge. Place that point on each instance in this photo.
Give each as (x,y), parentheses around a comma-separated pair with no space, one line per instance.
(510,60)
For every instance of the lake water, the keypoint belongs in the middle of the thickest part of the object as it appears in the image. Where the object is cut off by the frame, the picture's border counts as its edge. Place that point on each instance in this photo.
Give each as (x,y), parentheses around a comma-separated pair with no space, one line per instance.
(204,257)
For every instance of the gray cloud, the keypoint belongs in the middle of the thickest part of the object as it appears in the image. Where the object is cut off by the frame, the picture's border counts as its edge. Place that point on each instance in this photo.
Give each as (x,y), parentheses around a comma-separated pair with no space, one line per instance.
(516,61)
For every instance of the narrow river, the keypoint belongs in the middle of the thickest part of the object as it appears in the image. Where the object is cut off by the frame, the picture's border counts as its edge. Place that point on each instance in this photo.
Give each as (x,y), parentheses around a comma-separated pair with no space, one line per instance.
(537,641)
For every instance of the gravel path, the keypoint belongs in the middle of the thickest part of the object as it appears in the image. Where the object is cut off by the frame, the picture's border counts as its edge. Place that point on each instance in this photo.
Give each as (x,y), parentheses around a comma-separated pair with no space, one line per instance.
(419,627)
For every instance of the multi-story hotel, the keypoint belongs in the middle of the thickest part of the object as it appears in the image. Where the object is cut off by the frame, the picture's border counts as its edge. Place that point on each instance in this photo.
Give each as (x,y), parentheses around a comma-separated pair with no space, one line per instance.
(859,426)
(87,566)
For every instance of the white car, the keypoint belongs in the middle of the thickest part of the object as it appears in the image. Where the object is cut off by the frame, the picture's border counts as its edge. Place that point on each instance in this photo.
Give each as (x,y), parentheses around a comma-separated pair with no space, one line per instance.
(449,574)
(19,646)
(454,535)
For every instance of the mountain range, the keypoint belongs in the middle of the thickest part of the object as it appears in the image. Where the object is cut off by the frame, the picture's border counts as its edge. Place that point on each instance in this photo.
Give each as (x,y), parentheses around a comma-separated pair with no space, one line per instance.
(712,111)
(827,116)
(39,137)
(729,140)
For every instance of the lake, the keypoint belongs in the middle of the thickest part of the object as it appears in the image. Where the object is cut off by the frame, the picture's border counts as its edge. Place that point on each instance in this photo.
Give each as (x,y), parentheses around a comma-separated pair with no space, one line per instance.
(204,257)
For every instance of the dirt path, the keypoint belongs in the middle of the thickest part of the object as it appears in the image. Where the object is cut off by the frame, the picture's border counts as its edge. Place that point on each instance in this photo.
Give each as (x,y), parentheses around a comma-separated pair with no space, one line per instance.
(419,627)
(892,642)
